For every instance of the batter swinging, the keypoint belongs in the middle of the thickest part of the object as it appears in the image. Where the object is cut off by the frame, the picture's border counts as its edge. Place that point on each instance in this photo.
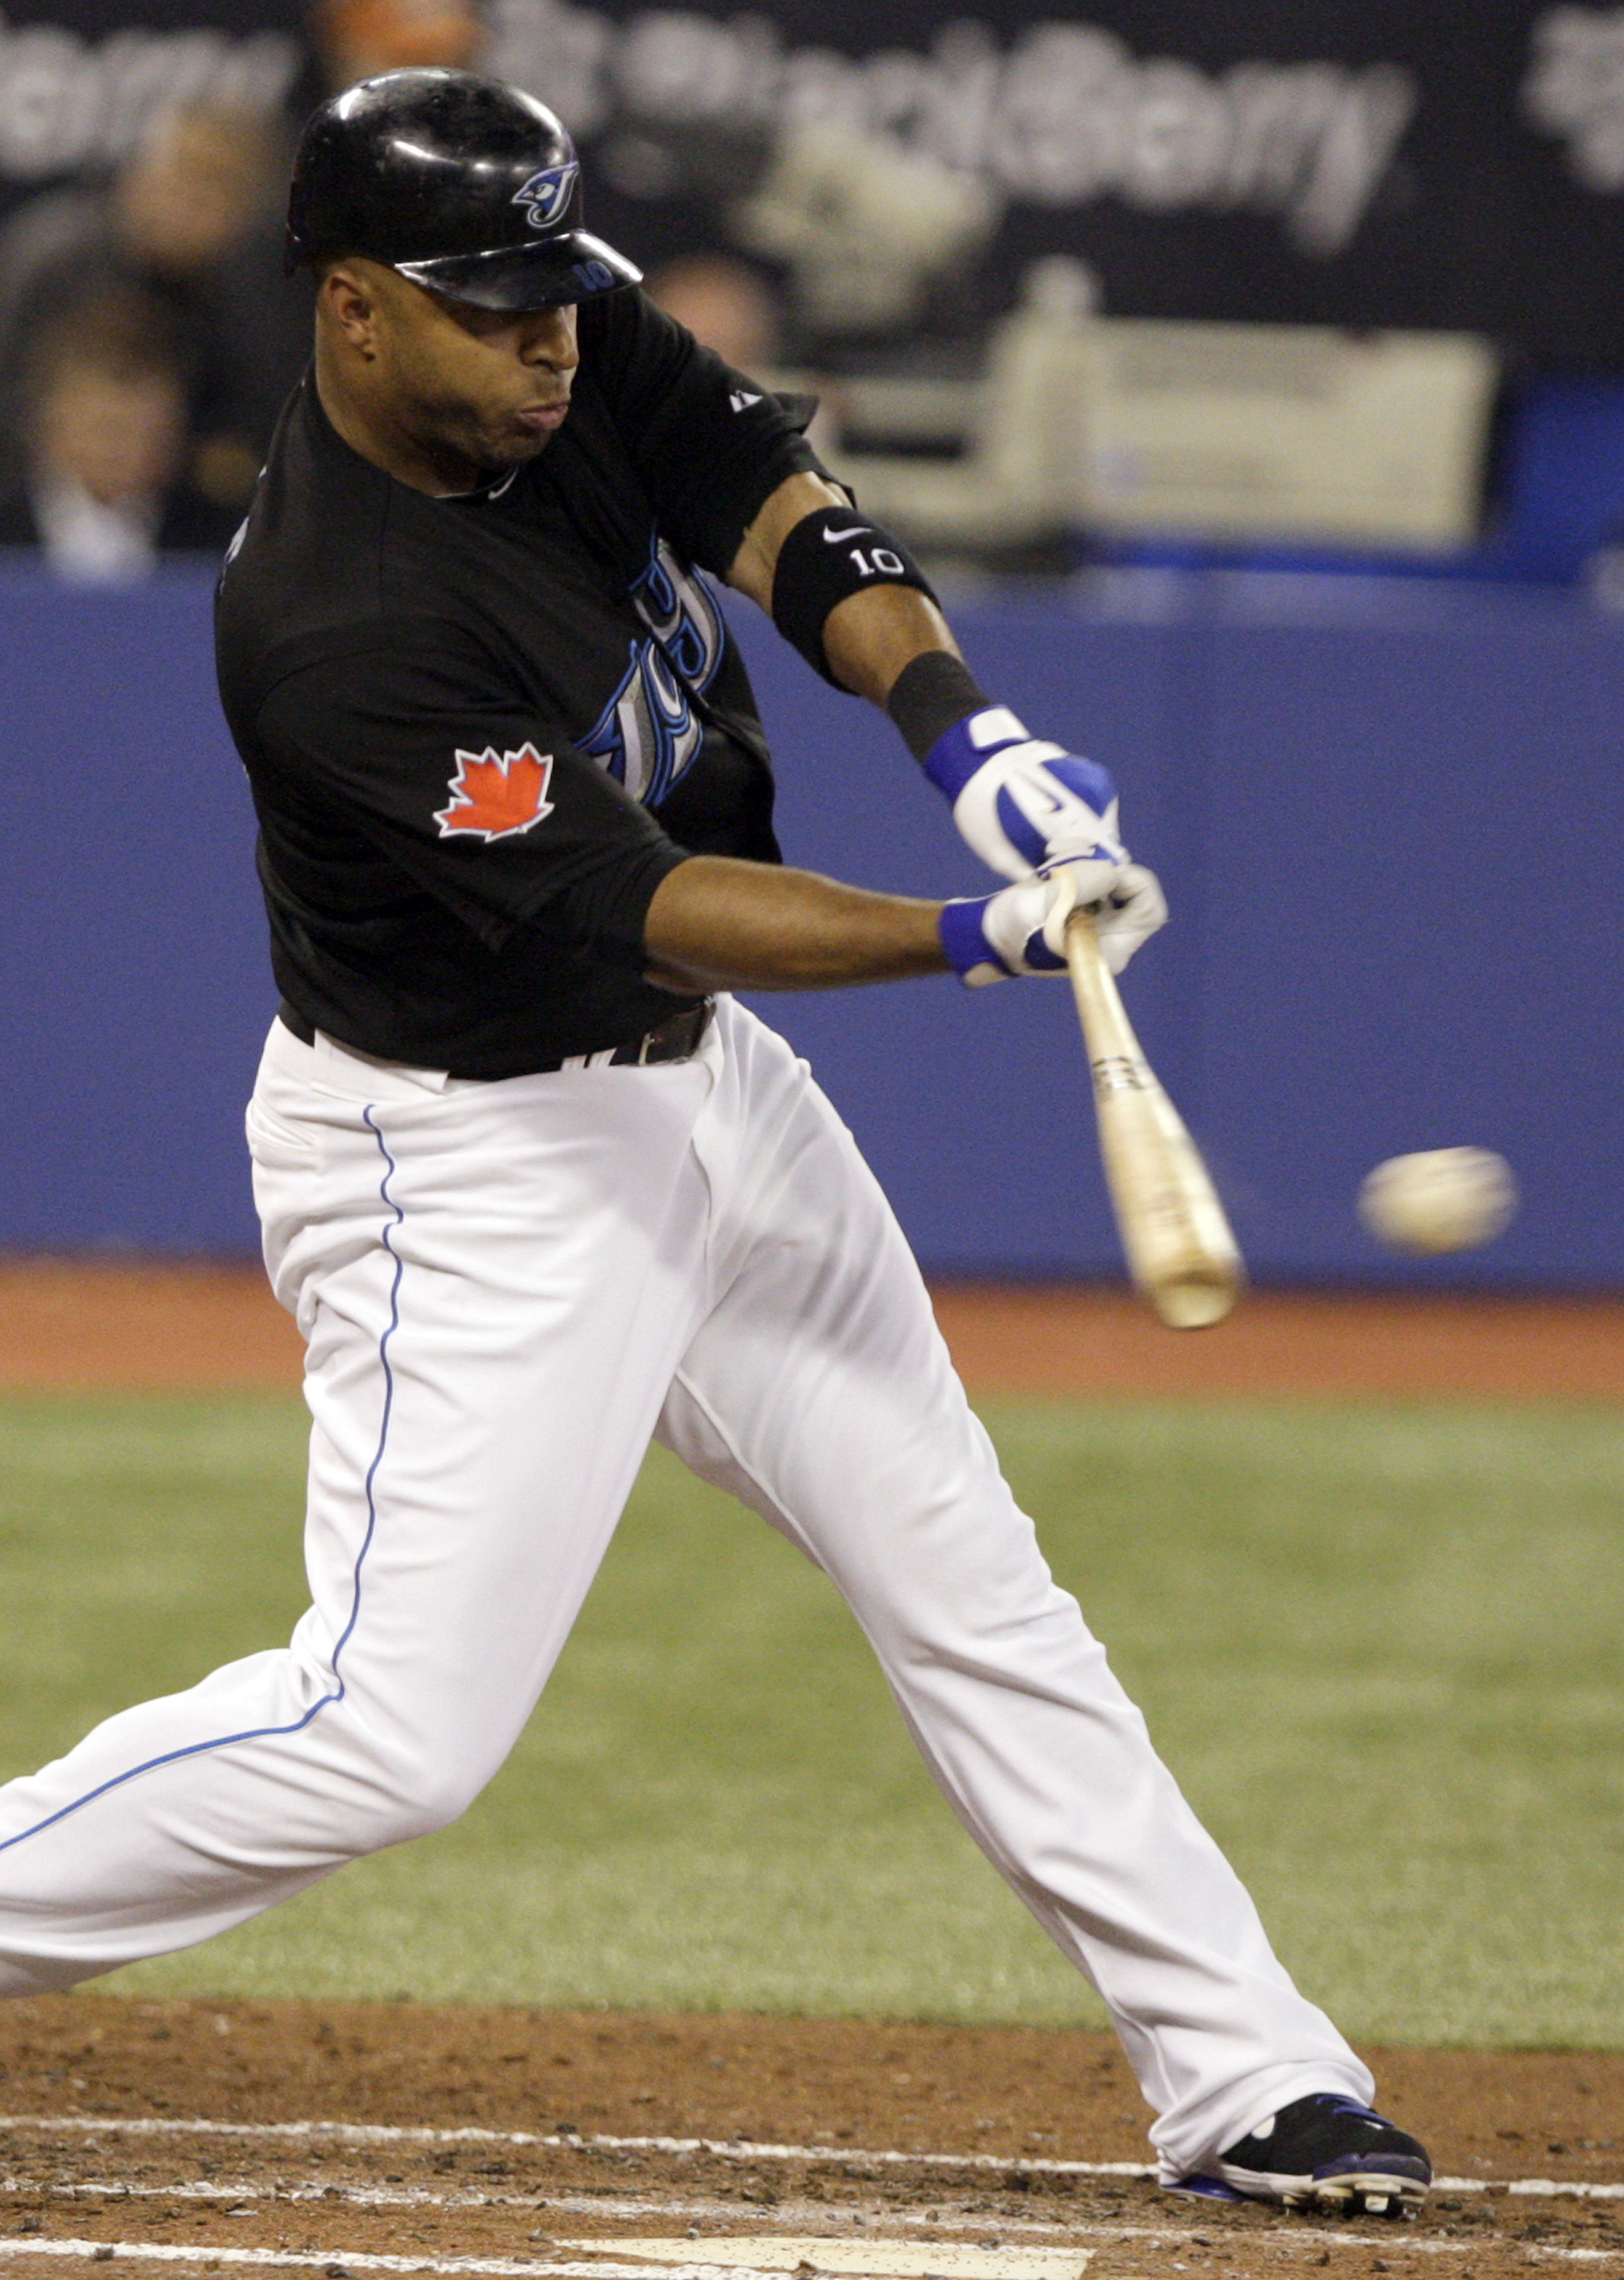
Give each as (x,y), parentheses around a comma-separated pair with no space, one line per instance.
(537,1189)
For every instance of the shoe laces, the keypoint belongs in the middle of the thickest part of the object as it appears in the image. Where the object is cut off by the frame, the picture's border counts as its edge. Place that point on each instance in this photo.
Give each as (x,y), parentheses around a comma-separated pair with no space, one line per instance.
(1333,2101)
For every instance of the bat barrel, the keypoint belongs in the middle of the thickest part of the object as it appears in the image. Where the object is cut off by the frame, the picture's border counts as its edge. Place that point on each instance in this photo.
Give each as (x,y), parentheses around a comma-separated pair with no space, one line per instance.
(1180,1250)
(1194,1300)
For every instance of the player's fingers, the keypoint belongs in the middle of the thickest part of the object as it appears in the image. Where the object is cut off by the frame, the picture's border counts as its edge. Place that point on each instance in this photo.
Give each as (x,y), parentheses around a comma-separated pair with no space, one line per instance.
(1134,910)
(1076,880)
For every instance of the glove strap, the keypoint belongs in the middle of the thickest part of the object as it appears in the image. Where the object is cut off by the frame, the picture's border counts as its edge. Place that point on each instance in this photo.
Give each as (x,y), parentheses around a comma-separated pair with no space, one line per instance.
(954,758)
(969,953)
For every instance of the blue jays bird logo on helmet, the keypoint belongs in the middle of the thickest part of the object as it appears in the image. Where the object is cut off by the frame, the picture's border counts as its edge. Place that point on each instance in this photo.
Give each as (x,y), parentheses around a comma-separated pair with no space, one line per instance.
(547,194)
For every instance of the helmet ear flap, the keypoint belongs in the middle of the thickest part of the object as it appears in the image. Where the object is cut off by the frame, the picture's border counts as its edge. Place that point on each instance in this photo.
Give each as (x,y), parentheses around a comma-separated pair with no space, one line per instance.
(293,234)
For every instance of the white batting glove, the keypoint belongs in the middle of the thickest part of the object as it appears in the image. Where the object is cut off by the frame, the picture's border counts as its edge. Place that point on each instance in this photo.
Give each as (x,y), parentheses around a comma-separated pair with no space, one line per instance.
(1021,930)
(1022,804)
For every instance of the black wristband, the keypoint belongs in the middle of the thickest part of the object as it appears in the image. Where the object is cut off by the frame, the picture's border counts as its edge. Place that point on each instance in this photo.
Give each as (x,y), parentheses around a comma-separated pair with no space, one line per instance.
(829,554)
(931,696)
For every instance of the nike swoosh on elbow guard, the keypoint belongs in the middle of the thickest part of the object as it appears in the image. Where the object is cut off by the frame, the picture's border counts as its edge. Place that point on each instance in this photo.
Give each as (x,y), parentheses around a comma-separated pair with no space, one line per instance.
(835,537)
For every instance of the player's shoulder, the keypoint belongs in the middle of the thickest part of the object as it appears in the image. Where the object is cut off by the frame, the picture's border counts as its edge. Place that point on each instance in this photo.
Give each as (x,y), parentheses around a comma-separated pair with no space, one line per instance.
(609,324)
(317,516)
(319,566)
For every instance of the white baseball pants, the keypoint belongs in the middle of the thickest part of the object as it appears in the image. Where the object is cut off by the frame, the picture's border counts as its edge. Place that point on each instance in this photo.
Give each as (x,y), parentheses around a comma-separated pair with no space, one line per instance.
(506,1289)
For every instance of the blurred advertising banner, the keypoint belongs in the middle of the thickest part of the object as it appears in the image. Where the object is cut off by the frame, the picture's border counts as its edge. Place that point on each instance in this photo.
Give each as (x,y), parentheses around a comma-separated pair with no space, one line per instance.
(80,79)
(1402,163)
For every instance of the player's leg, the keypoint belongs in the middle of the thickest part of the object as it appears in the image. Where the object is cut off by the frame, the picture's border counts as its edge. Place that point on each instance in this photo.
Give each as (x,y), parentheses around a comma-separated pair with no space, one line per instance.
(819,1390)
(494,1283)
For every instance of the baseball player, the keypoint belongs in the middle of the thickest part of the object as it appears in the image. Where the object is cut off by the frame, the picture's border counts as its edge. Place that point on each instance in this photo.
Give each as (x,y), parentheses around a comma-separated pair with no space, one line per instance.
(536,1187)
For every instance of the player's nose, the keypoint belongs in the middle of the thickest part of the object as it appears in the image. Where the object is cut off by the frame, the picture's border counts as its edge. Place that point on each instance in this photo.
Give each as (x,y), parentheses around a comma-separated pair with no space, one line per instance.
(547,337)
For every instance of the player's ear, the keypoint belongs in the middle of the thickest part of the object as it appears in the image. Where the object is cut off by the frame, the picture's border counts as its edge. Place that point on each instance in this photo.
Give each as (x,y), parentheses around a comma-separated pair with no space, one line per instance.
(346,299)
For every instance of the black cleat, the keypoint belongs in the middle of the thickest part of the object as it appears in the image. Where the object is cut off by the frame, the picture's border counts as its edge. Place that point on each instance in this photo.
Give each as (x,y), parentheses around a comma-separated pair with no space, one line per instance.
(1325,2152)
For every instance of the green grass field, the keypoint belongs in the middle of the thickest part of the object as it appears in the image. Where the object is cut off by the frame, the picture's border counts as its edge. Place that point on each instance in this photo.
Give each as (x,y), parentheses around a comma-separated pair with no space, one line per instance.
(1378,1644)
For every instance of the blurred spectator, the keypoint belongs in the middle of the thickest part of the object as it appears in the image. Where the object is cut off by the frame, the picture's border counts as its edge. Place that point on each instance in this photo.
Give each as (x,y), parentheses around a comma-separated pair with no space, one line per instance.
(169,227)
(662,189)
(355,38)
(870,234)
(103,490)
(191,191)
(724,304)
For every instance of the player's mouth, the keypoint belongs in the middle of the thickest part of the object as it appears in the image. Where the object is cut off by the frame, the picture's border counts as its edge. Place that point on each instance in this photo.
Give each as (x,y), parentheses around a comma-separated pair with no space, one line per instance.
(544,419)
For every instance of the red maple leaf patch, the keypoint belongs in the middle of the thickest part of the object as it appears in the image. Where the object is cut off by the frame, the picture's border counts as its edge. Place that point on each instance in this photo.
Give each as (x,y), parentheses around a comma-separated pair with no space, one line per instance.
(494,795)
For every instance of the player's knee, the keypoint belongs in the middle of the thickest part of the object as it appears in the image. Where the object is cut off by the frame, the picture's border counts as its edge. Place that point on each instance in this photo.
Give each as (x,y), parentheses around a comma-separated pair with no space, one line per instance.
(403,1801)
(439,1796)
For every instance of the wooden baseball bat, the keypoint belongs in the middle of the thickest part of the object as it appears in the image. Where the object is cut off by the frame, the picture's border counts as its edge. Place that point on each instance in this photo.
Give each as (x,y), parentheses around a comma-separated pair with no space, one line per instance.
(1179,1246)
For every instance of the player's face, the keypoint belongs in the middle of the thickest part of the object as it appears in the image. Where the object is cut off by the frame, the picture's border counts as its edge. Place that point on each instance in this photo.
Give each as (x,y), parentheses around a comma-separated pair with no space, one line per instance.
(476,385)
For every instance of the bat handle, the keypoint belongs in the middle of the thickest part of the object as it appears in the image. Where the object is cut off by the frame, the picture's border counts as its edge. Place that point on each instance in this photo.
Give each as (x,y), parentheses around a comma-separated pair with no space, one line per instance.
(1099,1003)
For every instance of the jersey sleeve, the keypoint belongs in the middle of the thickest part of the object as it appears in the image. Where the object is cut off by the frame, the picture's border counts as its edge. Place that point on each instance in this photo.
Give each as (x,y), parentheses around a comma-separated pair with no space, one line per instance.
(483,806)
(709,444)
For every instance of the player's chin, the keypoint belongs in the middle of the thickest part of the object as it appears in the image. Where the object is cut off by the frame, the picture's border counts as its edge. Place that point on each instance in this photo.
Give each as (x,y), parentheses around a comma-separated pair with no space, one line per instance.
(510,448)
(524,433)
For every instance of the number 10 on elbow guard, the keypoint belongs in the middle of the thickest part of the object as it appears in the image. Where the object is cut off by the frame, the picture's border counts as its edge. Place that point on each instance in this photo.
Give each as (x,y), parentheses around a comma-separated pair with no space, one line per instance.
(1176,1239)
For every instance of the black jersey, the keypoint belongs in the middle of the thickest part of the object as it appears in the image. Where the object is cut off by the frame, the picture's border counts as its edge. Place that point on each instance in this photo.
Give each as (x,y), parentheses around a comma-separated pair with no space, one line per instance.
(481,731)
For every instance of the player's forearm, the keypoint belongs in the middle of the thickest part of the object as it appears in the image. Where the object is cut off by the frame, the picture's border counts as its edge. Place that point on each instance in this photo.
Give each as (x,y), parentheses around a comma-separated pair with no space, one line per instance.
(851,597)
(718,924)
(869,638)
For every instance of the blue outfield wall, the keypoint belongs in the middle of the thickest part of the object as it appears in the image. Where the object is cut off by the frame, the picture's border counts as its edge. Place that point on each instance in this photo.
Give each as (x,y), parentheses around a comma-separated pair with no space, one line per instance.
(1390,818)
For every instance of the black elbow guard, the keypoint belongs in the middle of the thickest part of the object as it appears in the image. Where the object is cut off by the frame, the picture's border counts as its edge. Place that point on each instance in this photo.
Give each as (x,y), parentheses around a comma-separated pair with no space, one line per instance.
(829,554)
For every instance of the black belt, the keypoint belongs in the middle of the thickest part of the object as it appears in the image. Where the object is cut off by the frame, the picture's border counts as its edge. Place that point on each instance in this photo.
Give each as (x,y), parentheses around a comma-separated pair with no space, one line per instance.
(677,1039)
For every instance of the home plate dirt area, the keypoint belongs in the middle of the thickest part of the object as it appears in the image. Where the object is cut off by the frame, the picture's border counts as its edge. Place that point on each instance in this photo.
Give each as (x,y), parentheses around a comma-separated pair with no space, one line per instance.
(351,2140)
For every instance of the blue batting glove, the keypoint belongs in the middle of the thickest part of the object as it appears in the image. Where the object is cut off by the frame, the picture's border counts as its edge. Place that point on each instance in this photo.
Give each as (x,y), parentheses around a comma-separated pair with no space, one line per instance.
(1022,804)
(1021,930)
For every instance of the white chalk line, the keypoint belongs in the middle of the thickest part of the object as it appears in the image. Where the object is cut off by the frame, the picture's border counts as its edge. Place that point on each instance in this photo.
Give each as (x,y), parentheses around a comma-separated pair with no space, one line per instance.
(860,2251)
(542,2267)
(236,2197)
(731,2149)
(247,2200)
(169,2252)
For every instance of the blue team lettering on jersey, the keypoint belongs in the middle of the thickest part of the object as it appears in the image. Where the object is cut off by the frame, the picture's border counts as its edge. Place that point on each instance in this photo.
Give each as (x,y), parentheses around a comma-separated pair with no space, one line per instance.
(649,732)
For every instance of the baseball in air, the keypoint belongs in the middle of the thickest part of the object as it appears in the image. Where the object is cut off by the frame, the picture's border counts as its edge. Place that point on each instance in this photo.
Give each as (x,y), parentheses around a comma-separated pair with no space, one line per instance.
(1439,1199)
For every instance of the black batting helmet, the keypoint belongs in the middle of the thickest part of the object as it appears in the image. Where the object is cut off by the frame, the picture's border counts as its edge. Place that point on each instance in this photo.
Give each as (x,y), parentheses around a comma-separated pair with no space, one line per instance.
(460,183)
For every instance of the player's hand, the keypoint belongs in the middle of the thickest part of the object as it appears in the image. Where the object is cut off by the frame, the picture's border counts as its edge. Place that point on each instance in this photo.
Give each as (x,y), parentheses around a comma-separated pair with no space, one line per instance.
(1022,804)
(1021,930)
